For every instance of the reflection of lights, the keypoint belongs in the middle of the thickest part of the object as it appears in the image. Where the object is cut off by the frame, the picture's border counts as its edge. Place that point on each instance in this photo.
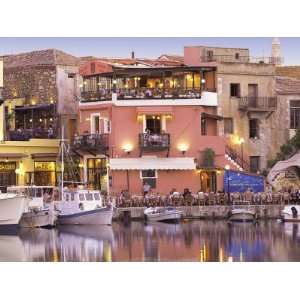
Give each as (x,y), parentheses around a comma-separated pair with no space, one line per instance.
(201,256)
(241,255)
(221,255)
(230,259)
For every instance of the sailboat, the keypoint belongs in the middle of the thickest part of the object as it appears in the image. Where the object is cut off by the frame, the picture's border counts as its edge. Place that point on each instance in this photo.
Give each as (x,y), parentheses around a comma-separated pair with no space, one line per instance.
(80,206)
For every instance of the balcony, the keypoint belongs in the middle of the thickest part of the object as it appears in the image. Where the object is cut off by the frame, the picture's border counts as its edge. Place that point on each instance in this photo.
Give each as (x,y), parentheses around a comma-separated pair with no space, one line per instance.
(258,104)
(241,59)
(27,134)
(101,95)
(91,143)
(154,142)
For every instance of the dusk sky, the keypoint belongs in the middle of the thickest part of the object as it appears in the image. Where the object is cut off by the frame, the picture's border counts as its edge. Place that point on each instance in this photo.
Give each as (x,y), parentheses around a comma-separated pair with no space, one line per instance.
(147,47)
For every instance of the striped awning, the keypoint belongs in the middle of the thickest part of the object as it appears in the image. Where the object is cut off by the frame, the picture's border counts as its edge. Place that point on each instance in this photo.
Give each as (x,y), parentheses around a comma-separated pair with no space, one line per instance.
(157,110)
(153,163)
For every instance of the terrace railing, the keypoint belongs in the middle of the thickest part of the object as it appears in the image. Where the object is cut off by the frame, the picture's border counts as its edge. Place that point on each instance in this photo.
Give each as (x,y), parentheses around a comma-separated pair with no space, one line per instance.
(241,59)
(27,134)
(258,103)
(98,143)
(144,93)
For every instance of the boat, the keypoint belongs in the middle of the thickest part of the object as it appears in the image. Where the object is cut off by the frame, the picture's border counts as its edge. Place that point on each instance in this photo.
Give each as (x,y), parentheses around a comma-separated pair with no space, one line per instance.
(290,213)
(162,214)
(83,207)
(79,206)
(12,206)
(38,213)
(242,214)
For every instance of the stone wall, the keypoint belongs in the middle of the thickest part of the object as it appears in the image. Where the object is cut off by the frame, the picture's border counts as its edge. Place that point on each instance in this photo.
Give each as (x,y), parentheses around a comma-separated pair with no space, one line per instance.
(36,84)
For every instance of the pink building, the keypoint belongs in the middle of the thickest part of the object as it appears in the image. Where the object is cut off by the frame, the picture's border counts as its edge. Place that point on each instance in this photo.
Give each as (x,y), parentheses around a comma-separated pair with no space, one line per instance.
(150,121)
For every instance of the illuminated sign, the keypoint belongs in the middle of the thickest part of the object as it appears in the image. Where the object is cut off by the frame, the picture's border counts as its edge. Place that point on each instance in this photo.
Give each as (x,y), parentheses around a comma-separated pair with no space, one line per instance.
(44,166)
(7,166)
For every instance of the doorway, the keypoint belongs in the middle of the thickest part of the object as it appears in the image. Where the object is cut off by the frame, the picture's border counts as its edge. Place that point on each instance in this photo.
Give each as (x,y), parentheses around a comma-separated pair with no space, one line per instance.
(208,181)
(153,124)
(252,94)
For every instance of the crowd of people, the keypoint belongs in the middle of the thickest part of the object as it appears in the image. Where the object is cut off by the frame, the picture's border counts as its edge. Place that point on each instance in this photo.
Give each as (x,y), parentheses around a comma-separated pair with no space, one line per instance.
(200,198)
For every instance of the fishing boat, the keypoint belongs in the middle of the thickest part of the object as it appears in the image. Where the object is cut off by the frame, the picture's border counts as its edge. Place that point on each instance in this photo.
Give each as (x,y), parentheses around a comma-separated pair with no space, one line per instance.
(291,213)
(162,214)
(12,206)
(38,213)
(243,214)
(80,206)
(83,207)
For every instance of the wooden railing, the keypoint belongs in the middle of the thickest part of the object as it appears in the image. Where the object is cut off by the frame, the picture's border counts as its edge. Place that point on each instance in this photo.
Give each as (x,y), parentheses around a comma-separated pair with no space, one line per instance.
(258,103)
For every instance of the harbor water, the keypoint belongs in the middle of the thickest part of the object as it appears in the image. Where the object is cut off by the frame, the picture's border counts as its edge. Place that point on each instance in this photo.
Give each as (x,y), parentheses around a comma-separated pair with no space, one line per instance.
(193,240)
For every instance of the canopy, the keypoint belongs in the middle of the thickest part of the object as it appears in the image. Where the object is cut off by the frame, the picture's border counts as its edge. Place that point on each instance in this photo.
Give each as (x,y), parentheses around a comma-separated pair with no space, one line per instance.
(153,163)
(280,166)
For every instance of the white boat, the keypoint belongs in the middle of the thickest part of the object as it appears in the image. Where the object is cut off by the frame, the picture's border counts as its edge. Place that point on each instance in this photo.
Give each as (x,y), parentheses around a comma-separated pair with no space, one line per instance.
(12,207)
(162,214)
(83,207)
(242,214)
(291,213)
(38,213)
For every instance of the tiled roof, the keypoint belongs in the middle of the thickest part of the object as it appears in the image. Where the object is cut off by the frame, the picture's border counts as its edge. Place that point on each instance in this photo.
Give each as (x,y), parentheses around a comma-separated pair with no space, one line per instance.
(287,86)
(288,71)
(50,57)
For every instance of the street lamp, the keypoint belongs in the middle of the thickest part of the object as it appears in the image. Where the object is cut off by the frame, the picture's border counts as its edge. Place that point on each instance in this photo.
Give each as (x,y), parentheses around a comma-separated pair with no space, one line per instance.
(227,168)
(242,141)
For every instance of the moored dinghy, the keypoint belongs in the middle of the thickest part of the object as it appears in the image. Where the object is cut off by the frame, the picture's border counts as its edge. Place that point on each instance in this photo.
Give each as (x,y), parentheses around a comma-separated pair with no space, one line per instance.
(162,214)
(291,213)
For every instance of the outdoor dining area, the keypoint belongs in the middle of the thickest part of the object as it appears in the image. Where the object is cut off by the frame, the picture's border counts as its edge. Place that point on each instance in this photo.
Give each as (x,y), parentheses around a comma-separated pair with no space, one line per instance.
(206,199)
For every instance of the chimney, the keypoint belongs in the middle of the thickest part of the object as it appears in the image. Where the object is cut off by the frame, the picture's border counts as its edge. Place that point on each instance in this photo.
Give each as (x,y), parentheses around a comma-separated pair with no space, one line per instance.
(132,54)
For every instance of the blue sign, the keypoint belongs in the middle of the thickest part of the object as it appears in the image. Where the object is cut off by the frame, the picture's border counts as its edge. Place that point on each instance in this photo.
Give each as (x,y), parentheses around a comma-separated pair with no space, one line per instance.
(239,182)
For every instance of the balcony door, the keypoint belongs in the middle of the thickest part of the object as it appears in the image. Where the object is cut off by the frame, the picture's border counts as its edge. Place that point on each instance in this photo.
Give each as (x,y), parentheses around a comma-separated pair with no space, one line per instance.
(252,94)
(153,124)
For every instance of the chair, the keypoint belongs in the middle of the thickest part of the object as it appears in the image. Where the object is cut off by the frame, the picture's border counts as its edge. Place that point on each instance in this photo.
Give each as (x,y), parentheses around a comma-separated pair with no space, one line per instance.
(201,198)
(236,197)
(211,198)
(286,198)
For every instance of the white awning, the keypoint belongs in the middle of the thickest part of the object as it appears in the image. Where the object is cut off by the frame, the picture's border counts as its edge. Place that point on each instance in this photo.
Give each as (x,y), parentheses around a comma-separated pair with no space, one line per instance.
(153,163)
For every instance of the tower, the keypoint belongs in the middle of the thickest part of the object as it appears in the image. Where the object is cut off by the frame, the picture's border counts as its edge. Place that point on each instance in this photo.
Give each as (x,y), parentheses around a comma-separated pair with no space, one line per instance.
(276,52)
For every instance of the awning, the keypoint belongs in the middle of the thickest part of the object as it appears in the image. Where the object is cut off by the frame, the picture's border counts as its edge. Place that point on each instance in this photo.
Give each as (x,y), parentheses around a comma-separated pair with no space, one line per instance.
(163,110)
(43,155)
(153,163)
(35,107)
(12,155)
(211,116)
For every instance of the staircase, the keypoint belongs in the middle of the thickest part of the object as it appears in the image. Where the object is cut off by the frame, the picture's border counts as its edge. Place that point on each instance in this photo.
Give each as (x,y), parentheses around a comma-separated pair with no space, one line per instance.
(236,159)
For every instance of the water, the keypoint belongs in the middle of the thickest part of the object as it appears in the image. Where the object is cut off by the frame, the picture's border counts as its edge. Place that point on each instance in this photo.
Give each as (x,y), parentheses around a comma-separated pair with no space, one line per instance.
(190,241)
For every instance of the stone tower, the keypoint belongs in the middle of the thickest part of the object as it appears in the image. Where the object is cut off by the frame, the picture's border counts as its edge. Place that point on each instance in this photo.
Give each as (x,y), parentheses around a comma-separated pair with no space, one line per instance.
(276,52)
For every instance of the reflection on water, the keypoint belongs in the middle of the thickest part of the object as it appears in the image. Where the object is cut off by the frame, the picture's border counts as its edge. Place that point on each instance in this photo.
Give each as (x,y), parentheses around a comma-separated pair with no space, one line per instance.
(191,241)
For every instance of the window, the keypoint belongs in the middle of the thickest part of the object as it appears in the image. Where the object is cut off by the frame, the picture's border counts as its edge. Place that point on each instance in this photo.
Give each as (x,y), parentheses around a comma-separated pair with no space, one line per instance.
(153,123)
(294,114)
(203,126)
(253,128)
(89,196)
(149,176)
(81,197)
(254,164)
(235,90)
(228,126)
(237,56)
(97,196)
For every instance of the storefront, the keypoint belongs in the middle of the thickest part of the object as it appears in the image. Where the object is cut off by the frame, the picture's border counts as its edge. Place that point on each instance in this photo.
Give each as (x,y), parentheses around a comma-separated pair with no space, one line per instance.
(44,173)
(8,175)
(96,173)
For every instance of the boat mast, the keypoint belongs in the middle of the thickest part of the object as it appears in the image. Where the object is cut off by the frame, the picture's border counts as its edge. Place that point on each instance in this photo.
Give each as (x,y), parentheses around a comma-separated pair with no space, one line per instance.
(62,161)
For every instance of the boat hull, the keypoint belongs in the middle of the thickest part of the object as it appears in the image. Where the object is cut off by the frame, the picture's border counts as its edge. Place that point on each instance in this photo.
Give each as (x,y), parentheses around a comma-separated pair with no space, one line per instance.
(11,210)
(41,218)
(291,213)
(241,215)
(168,216)
(101,216)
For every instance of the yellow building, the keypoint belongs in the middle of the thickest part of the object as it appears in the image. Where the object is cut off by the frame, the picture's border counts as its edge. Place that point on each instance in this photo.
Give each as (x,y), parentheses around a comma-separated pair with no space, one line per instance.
(30,161)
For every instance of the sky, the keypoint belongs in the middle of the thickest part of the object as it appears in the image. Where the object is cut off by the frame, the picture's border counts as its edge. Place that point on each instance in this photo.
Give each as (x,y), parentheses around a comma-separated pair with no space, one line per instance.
(147,47)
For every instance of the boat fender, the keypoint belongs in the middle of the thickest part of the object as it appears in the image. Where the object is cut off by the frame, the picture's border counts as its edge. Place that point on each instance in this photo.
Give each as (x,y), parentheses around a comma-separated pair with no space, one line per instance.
(294,212)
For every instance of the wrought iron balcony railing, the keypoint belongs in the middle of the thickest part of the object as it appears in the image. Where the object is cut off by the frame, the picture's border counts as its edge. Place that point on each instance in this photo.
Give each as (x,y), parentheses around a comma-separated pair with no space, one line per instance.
(154,142)
(258,103)
(98,143)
